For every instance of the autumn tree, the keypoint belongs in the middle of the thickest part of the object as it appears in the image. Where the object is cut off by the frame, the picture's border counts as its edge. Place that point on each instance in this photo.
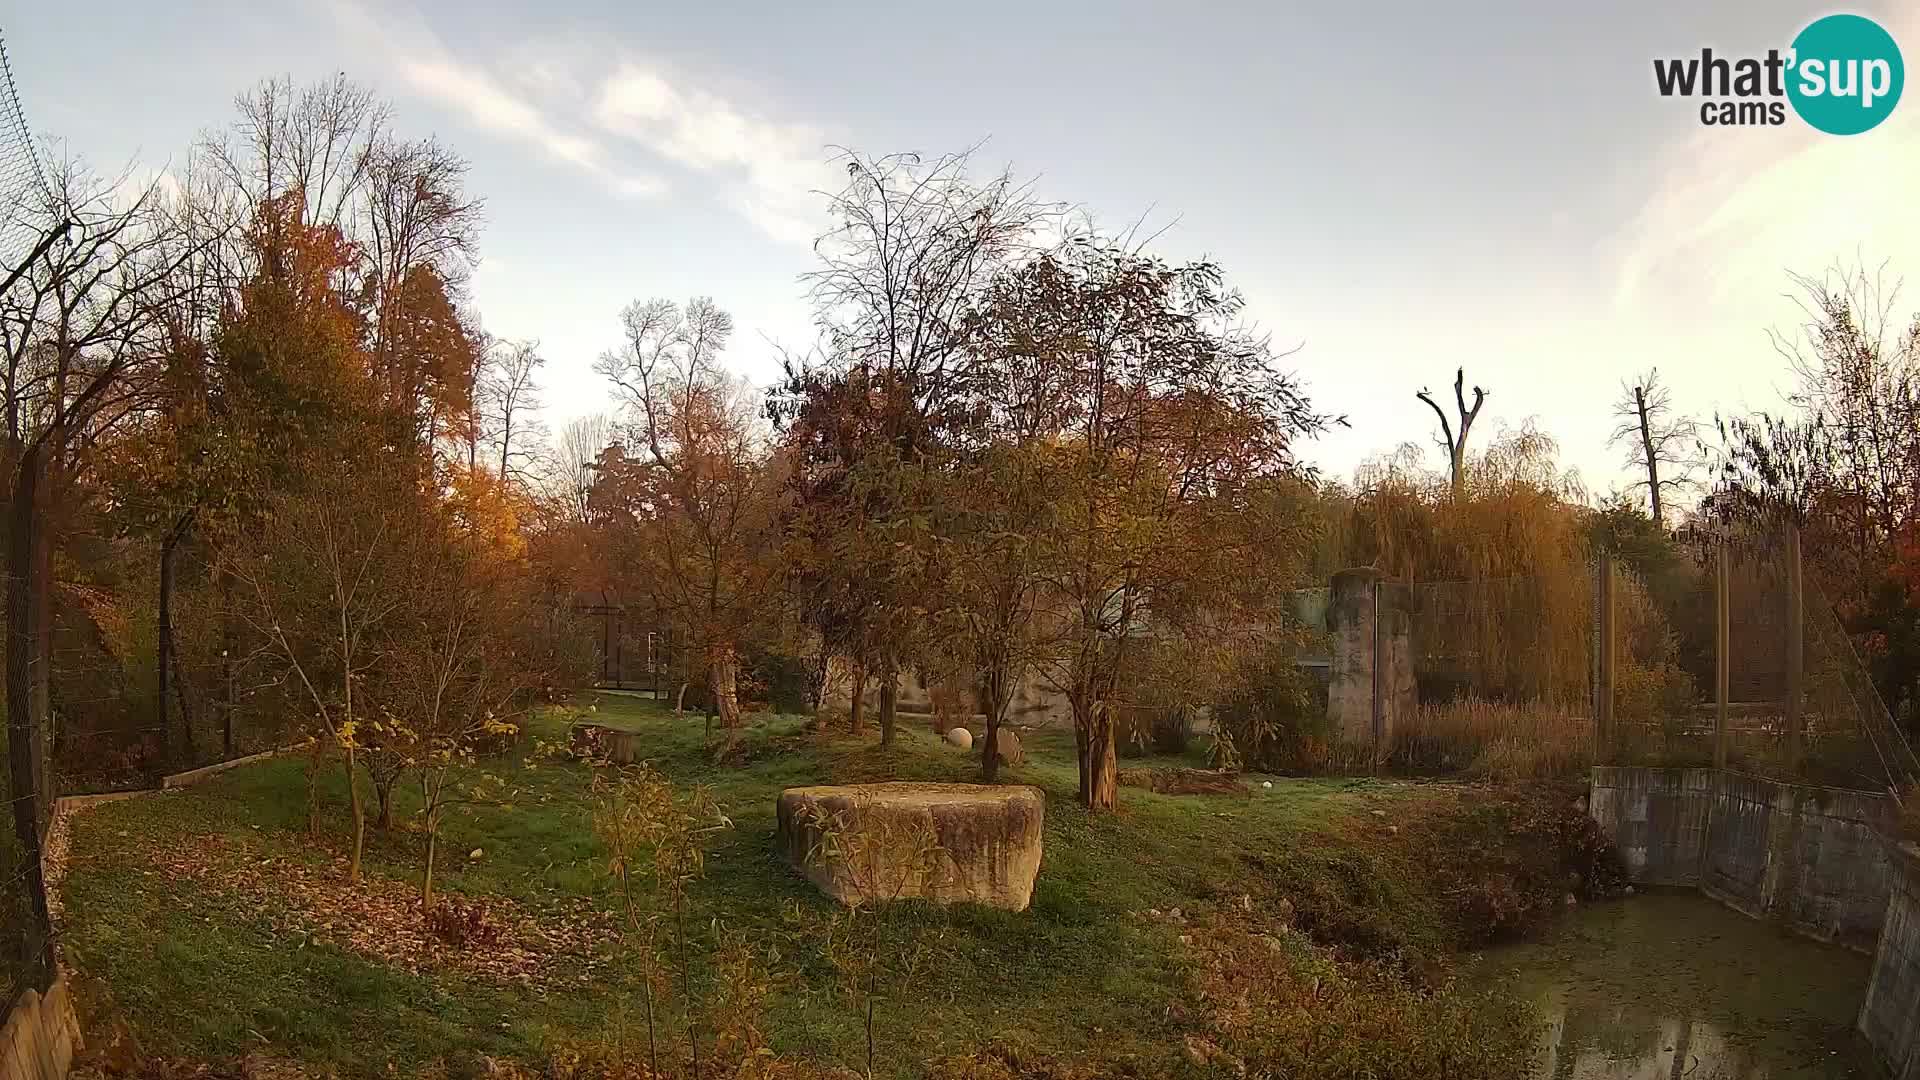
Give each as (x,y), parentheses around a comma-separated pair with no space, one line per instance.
(1455,444)
(695,501)
(455,669)
(914,243)
(1165,417)
(1662,447)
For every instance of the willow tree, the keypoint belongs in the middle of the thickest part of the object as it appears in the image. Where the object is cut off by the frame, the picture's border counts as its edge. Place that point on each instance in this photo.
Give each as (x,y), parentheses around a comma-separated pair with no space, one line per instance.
(1158,416)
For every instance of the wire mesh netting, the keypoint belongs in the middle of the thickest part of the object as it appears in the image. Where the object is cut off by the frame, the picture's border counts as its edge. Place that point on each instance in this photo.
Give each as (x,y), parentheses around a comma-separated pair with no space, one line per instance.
(1505,676)
(22,961)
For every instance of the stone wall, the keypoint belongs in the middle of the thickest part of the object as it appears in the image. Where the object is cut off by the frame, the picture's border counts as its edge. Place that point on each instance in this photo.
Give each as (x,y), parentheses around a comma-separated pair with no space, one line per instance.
(1890,1017)
(1811,858)
(41,1036)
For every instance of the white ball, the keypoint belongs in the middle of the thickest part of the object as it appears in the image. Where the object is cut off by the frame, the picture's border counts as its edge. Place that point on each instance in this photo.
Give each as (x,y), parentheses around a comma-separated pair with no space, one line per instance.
(1266,784)
(961,738)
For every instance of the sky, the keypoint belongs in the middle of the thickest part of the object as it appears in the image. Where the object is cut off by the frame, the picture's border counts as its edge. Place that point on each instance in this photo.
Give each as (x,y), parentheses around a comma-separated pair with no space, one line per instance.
(1398,190)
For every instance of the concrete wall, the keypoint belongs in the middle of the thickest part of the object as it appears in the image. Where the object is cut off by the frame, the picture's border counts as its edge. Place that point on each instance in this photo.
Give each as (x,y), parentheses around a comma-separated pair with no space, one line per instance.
(41,1035)
(1812,858)
(1658,819)
(1890,1016)
(1818,860)
(1350,677)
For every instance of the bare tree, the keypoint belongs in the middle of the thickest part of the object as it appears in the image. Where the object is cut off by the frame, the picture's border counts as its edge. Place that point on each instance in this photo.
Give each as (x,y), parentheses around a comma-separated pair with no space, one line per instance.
(315,140)
(570,468)
(1665,448)
(1456,445)
(913,246)
(329,569)
(507,405)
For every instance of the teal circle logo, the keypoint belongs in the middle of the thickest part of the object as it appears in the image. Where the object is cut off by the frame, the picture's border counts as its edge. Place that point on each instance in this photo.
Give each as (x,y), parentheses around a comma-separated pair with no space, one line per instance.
(1845,75)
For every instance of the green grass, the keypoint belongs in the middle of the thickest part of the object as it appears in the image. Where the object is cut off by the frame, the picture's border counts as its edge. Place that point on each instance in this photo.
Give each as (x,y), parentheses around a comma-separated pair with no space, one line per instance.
(198,975)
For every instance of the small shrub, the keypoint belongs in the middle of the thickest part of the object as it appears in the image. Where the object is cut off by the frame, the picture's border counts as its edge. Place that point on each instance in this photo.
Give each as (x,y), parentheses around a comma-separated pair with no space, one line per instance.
(1658,691)
(1171,730)
(1275,715)
(465,924)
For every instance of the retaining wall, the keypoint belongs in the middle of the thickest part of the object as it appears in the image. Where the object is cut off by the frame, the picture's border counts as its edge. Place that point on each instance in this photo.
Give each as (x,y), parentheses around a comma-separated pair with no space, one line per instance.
(1811,858)
(1890,1017)
(41,1035)
(1817,860)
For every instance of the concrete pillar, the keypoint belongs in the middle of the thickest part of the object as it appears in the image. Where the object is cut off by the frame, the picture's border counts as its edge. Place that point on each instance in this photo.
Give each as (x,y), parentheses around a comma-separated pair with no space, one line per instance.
(1370,684)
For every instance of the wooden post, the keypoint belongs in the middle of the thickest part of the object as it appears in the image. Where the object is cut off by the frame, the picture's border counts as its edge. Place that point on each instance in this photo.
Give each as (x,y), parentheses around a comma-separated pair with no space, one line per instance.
(1796,651)
(1603,718)
(1722,658)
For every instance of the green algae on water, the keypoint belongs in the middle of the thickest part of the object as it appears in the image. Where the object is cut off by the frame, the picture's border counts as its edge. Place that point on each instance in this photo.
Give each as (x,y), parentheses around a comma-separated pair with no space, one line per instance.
(1669,985)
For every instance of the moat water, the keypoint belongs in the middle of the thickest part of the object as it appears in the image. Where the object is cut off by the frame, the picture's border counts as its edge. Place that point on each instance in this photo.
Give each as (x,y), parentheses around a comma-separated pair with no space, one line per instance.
(1665,986)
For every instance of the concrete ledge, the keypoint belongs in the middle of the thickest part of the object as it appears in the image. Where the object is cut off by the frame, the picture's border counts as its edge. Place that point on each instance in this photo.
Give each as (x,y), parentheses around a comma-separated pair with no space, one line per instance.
(194,776)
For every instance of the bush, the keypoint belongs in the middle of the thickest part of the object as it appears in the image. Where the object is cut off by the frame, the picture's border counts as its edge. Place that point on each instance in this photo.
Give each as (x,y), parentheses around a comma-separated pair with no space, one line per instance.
(465,924)
(1275,715)
(1656,691)
(1509,857)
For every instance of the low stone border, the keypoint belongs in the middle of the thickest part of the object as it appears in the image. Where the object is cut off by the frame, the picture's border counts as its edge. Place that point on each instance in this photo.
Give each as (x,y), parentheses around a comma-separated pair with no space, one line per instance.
(42,1033)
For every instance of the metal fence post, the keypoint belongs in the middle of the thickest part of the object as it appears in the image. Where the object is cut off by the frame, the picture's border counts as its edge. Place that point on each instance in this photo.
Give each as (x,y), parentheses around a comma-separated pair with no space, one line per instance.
(1796,652)
(1722,660)
(1609,627)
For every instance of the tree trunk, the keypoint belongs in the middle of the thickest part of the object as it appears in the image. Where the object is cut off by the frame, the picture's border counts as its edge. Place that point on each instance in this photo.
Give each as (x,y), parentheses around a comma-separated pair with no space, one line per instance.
(227,647)
(359,817)
(857,704)
(315,763)
(996,710)
(723,669)
(163,652)
(889,702)
(383,794)
(1646,449)
(33,940)
(426,880)
(1099,763)
(680,700)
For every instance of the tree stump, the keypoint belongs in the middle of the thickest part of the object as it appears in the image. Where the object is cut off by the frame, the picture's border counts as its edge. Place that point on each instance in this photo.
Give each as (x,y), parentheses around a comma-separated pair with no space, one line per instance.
(950,843)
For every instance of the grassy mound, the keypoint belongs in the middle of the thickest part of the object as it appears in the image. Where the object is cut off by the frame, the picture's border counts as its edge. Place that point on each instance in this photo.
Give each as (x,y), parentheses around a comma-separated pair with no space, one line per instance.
(1183,932)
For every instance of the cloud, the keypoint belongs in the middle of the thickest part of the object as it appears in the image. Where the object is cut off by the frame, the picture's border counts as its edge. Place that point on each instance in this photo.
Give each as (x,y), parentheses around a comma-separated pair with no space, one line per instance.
(618,110)
(1732,210)
(429,69)
(768,170)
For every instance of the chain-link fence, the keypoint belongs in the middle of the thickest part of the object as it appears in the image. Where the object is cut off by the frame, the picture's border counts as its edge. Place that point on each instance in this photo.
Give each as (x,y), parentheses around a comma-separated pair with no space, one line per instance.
(1668,658)
(1741,661)
(25,959)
